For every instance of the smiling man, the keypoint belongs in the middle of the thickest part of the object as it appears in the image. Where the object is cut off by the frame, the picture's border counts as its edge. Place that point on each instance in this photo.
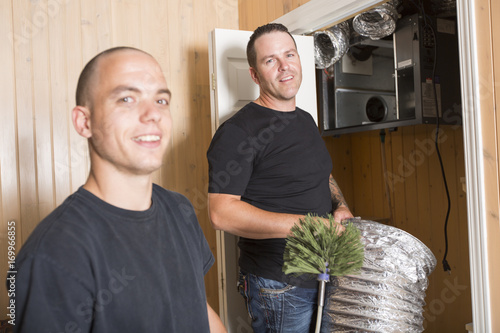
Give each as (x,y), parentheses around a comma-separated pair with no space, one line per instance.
(269,167)
(121,254)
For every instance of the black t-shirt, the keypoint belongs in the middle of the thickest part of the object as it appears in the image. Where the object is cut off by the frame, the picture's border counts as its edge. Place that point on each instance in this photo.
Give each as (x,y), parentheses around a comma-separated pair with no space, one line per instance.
(278,162)
(92,267)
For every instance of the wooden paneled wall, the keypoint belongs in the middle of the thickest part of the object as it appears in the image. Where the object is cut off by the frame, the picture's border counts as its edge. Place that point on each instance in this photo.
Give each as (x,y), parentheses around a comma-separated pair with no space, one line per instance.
(494,187)
(417,194)
(45,44)
(418,204)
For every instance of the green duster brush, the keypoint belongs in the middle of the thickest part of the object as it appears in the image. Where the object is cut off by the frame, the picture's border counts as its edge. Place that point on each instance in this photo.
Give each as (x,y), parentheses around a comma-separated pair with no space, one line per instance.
(314,247)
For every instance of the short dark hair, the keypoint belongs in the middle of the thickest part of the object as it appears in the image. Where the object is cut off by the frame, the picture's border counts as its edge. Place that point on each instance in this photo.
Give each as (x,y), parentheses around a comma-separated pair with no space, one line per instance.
(262,30)
(83,93)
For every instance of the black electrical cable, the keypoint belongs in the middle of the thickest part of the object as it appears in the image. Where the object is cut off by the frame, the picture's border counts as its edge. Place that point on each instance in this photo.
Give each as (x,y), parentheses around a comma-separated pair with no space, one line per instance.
(446,266)
(384,170)
(420,7)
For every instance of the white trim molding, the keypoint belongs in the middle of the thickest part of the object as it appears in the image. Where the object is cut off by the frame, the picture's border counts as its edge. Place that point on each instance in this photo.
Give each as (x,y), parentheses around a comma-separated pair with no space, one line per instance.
(474,165)
(320,14)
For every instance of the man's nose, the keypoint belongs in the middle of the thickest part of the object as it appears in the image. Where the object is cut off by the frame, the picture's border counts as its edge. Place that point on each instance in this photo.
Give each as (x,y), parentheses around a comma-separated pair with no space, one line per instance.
(151,112)
(283,65)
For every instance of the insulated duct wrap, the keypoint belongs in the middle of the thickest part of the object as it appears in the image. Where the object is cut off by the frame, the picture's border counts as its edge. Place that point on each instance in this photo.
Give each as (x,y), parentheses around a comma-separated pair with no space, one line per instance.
(331,45)
(378,22)
(388,294)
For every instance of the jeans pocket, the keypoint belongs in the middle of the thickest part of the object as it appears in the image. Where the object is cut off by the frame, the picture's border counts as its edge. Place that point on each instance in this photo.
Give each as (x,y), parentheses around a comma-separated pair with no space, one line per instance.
(272,287)
(287,308)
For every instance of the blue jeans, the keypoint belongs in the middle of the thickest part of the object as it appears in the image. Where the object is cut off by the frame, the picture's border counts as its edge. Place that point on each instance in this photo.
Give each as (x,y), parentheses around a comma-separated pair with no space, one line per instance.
(277,307)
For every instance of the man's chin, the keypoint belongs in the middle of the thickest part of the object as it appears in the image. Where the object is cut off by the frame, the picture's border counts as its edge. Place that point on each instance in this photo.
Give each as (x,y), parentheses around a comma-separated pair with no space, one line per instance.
(146,168)
(149,169)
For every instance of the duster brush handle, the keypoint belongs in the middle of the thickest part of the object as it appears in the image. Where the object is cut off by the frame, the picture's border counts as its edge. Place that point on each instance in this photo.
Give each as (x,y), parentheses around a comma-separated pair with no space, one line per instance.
(321,303)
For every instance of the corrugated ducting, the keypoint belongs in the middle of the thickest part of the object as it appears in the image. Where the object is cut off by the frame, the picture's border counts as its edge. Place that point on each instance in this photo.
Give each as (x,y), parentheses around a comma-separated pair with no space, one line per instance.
(330,45)
(388,294)
(378,22)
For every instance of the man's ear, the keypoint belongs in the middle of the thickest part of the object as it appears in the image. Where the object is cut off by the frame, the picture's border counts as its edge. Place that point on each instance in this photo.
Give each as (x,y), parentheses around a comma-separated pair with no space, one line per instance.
(81,121)
(253,74)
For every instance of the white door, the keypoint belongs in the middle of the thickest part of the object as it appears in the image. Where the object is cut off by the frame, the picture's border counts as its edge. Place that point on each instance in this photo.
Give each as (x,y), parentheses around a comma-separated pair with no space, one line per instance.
(231,89)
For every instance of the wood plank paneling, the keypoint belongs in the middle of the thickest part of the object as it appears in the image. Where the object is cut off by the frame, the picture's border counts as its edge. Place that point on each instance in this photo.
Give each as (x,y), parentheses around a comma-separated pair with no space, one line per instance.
(80,48)
(340,150)
(200,95)
(412,158)
(126,23)
(279,10)
(59,108)
(388,179)
(377,177)
(361,162)
(259,18)
(104,30)
(425,145)
(24,25)
(9,173)
(399,171)
(243,16)
(419,203)
(287,6)
(420,208)
(225,14)
(487,14)
(271,9)
(179,29)
(42,112)
(495,228)
(87,30)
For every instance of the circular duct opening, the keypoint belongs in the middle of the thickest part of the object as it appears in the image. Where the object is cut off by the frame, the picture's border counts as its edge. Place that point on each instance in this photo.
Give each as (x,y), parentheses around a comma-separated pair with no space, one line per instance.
(376,109)
(330,45)
(362,52)
(324,50)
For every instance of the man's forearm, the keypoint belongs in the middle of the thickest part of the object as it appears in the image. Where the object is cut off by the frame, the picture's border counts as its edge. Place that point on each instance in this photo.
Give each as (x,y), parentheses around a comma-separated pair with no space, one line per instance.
(229,213)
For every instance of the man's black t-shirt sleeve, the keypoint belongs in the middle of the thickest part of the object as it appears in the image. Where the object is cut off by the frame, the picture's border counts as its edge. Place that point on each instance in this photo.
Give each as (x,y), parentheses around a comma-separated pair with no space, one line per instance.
(230,158)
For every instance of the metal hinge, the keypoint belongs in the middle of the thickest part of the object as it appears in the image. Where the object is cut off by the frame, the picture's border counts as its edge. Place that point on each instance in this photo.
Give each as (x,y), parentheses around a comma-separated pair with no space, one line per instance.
(214,81)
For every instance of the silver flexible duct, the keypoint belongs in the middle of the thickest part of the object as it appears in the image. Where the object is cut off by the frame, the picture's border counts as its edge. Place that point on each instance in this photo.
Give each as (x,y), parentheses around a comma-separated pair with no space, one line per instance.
(330,45)
(388,294)
(378,22)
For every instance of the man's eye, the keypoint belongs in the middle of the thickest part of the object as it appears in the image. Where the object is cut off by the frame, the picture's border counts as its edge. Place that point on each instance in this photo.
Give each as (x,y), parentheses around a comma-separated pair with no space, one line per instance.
(269,61)
(163,101)
(127,99)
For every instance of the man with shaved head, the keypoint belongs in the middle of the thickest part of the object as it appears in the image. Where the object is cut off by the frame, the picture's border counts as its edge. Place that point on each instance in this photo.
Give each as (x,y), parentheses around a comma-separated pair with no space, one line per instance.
(121,254)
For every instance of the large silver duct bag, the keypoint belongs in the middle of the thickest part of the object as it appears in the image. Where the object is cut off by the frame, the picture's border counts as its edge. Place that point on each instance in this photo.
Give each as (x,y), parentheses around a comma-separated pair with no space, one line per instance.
(388,294)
